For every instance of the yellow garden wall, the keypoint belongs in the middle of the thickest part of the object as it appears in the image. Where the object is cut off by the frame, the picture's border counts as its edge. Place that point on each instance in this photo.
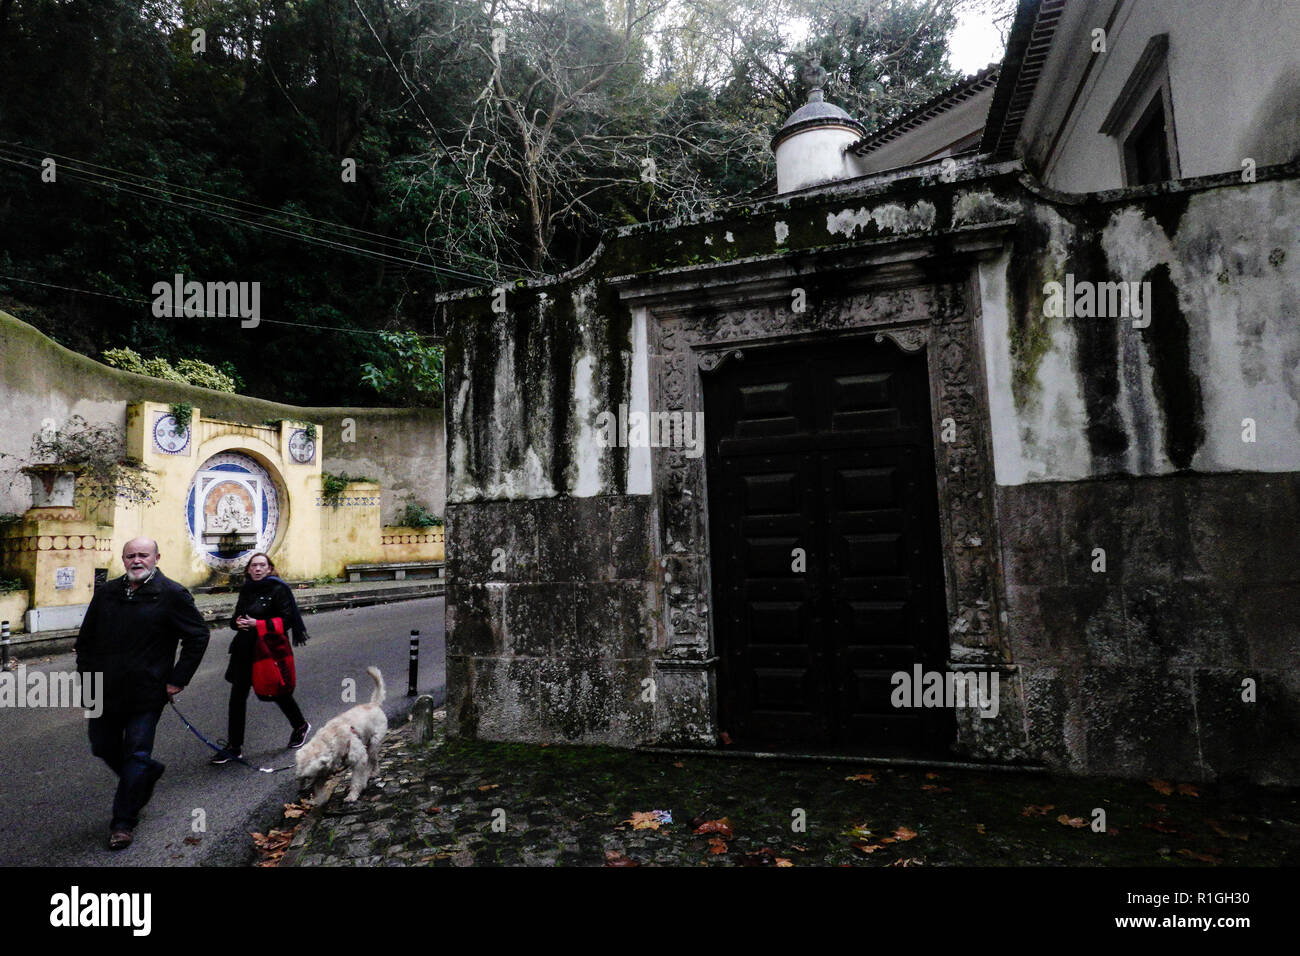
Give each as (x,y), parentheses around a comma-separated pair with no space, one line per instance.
(412,544)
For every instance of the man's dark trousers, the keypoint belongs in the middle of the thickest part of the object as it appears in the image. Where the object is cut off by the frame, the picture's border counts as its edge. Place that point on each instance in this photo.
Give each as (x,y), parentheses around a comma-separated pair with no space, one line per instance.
(125,743)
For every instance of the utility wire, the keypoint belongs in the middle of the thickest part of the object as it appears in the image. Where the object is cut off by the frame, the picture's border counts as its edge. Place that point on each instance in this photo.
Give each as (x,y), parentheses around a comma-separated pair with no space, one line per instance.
(433,130)
(218,199)
(203,315)
(107,182)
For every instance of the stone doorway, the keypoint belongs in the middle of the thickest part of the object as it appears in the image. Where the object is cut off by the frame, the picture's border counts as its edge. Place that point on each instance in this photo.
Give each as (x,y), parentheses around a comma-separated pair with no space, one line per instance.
(825,545)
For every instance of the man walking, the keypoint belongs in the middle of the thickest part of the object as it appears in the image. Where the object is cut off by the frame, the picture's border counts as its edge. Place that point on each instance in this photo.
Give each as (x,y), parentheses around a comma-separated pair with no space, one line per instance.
(129,635)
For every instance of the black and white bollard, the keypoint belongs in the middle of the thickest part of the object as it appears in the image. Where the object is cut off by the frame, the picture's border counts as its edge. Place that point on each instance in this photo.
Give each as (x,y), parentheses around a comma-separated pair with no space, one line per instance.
(414,671)
(4,645)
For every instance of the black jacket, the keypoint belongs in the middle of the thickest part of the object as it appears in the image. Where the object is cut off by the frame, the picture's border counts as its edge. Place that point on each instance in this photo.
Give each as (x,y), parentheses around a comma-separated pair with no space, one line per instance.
(261,600)
(131,639)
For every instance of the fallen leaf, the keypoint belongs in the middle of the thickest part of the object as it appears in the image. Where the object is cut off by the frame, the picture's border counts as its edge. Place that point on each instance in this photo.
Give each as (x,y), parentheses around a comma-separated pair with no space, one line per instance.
(721,827)
(931,776)
(716,845)
(1202,857)
(614,858)
(801,849)
(868,848)
(649,819)
(935,788)
(433,809)
(1161,787)
(272,845)
(292,812)
(865,777)
(903,833)
(782,861)
(859,830)
(1036,811)
(192,841)
(1070,821)
(679,764)
(979,828)
(1217,828)
(489,786)
(913,861)
(1187,790)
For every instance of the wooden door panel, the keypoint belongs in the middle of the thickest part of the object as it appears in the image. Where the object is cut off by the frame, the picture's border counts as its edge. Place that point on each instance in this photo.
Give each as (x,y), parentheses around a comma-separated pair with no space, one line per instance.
(824,451)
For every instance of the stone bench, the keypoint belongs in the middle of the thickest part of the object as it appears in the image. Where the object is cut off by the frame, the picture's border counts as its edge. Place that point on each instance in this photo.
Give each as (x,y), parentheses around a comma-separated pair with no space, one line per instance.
(397,570)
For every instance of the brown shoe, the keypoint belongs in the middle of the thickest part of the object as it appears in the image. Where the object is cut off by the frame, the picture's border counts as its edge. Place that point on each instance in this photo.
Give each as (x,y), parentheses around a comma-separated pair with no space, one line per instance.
(120,839)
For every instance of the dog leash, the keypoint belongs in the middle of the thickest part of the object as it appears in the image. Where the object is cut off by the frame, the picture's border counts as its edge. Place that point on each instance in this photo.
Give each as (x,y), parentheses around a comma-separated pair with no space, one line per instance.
(196,733)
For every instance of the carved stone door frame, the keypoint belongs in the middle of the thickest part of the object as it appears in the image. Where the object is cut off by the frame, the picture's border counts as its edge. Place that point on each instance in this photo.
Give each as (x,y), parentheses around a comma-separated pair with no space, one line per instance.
(692,328)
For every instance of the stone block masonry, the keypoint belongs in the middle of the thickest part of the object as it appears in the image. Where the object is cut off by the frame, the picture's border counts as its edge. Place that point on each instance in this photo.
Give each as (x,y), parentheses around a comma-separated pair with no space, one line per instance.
(549,620)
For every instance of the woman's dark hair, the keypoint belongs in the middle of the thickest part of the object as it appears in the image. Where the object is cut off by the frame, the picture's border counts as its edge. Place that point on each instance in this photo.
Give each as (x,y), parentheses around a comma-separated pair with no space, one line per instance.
(260,554)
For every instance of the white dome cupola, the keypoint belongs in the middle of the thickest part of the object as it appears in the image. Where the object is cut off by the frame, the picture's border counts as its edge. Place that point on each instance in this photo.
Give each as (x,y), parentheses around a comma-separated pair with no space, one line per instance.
(811,146)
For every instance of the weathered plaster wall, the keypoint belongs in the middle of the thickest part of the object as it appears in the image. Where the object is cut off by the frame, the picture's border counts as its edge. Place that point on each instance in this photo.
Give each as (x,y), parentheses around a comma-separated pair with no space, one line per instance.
(1081,397)
(39,379)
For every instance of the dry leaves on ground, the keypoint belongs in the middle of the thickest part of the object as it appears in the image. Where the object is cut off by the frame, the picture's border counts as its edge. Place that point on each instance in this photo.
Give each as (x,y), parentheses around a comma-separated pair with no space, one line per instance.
(489,786)
(934,788)
(716,845)
(1161,787)
(614,858)
(1066,820)
(271,846)
(863,777)
(720,827)
(1201,857)
(292,811)
(1036,811)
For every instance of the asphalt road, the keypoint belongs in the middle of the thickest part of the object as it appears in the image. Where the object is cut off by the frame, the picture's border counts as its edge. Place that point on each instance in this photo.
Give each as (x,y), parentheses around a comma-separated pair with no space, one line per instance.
(56,799)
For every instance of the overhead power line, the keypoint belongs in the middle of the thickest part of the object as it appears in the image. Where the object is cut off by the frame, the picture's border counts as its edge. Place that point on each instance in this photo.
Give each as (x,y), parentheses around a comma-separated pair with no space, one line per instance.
(202,315)
(175,195)
(145,192)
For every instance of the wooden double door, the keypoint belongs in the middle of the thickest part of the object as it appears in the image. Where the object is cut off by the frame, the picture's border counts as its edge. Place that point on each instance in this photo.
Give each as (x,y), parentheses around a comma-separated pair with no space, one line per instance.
(824,539)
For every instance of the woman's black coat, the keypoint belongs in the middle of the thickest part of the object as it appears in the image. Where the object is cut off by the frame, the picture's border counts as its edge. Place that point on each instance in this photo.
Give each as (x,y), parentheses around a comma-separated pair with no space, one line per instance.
(261,600)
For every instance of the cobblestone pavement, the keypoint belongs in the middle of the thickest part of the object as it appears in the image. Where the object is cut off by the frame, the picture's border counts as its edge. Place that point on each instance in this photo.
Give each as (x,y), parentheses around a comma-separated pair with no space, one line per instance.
(459,803)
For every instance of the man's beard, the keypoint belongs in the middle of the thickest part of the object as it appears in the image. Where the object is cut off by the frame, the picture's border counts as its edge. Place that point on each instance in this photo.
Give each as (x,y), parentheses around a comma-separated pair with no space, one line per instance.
(138,575)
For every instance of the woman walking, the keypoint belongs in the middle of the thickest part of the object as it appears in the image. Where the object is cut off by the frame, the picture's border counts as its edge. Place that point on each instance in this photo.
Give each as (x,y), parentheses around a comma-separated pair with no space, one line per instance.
(262,599)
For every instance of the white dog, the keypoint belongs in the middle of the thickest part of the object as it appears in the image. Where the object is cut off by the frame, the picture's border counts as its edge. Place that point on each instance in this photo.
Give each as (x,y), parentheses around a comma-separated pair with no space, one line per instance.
(350,739)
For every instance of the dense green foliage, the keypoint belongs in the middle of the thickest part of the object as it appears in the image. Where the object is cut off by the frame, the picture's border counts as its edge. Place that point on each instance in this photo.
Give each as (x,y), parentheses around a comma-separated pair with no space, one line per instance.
(190,371)
(418,516)
(491,139)
(333,486)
